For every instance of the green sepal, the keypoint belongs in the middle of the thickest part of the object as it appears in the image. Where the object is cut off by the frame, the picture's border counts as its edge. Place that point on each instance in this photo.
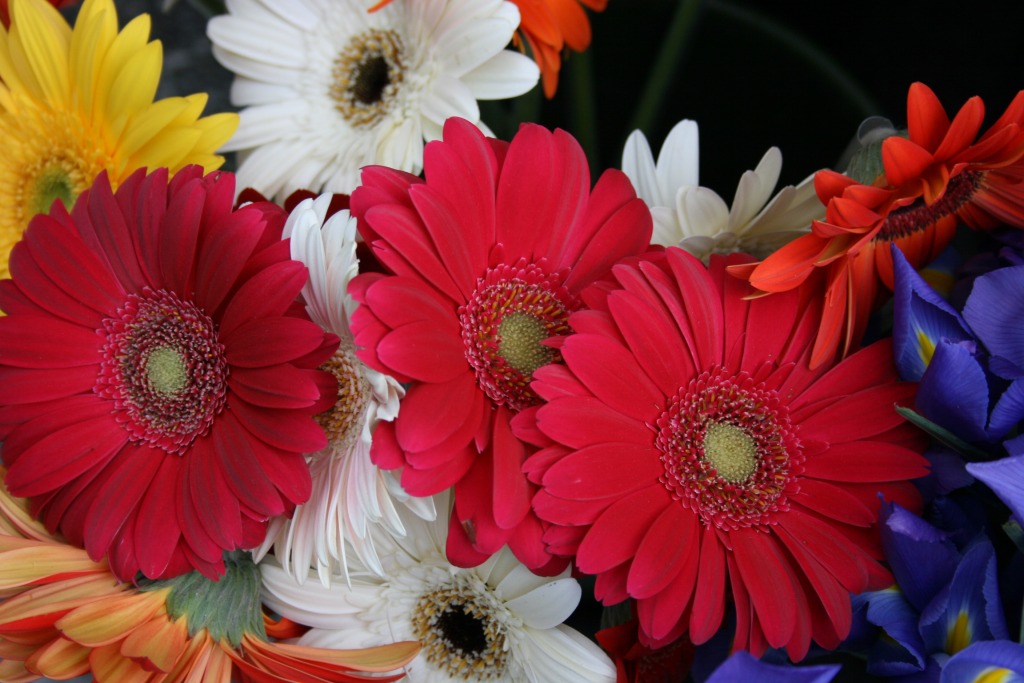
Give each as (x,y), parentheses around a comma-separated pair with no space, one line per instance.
(228,608)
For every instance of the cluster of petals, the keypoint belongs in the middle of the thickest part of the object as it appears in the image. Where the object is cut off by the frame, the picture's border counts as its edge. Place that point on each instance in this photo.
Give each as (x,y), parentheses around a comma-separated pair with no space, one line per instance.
(350,494)
(691,457)
(159,382)
(486,258)
(697,219)
(64,615)
(496,622)
(77,102)
(938,176)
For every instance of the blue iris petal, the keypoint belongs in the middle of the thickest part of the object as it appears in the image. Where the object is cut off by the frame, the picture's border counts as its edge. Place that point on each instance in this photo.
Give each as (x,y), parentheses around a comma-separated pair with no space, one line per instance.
(922,557)
(954,391)
(921,318)
(900,651)
(742,666)
(996,661)
(1006,478)
(995,311)
(968,610)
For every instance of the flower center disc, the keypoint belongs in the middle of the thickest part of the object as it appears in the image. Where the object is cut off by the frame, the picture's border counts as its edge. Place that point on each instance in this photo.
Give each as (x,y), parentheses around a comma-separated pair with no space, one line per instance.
(513,310)
(164,369)
(729,450)
(461,636)
(53,182)
(342,422)
(907,220)
(367,75)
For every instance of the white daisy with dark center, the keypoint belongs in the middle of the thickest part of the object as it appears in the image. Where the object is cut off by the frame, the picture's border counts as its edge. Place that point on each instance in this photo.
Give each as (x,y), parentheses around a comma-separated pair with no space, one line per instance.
(350,494)
(328,87)
(495,622)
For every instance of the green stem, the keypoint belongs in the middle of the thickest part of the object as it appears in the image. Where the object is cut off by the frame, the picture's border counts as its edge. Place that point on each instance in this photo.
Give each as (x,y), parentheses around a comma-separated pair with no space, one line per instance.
(666,64)
(803,48)
(584,105)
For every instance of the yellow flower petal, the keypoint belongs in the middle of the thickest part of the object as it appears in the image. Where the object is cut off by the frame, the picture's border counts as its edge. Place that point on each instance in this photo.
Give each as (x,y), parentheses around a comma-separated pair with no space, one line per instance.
(60,659)
(39,32)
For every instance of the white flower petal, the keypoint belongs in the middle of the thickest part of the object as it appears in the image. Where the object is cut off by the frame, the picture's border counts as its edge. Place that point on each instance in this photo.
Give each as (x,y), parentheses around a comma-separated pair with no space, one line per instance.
(638,165)
(700,211)
(547,605)
(507,74)
(561,655)
(679,159)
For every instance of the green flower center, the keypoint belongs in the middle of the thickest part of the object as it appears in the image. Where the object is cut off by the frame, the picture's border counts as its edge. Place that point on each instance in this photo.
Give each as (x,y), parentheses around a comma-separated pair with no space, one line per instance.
(731,451)
(520,336)
(166,370)
(53,182)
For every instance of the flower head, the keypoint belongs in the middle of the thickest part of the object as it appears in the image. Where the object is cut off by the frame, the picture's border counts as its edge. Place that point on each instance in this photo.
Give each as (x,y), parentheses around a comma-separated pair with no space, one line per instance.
(488,256)
(63,615)
(697,219)
(940,174)
(496,622)
(549,27)
(689,445)
(338,88)
(350,493)
(80,102)
(158,384)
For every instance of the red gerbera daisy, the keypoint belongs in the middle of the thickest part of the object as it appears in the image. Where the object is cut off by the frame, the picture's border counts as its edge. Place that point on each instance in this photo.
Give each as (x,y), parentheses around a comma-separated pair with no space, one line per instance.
(157,381)
(488,256)
(691,446)
(938,176)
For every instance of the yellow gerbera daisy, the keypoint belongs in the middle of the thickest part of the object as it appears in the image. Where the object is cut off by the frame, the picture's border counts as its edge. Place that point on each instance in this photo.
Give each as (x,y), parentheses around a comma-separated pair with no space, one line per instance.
(77,102)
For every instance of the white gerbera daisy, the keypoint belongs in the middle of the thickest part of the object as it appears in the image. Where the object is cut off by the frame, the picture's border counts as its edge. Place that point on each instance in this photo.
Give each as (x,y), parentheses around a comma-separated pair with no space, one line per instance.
(328,87)
(496,622)
(349,492)
(697,218)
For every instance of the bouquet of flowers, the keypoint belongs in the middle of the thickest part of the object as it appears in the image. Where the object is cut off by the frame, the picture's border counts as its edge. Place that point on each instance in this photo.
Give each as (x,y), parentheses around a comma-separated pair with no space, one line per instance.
(405,396)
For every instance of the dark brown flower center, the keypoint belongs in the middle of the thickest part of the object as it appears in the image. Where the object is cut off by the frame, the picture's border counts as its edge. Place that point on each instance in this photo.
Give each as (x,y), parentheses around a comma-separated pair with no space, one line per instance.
(460,634)
(343,422)
(367,75)
(164,369)
(729,450)
(906,220)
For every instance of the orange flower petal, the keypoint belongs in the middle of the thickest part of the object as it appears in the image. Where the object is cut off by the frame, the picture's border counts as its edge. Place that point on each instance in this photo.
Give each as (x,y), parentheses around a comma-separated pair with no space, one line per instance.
(158,644)
(379,659)
(35,562)
(904,160)
(926,118)
(42,606)
(101,623)
(963,130)
(108,665)
(572,22)
(788,267)
(60,659)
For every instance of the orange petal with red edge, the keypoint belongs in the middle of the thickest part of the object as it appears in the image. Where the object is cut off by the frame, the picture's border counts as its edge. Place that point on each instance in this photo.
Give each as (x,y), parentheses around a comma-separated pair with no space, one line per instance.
(101,623)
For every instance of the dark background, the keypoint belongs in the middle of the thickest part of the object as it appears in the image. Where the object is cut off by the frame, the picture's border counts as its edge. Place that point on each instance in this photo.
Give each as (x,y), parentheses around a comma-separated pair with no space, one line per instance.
(798,75)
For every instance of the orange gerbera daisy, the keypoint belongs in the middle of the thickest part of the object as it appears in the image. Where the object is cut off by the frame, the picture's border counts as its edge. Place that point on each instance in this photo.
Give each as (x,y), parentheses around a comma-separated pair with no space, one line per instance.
(941,174)
(549,27)
(64,615)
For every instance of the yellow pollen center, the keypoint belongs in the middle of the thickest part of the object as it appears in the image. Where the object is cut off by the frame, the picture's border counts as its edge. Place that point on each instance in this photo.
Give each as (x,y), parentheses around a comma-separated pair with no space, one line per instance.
(366,76)
(959,635)
(342,422)
(519,342)
(166,371)
(731,451)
